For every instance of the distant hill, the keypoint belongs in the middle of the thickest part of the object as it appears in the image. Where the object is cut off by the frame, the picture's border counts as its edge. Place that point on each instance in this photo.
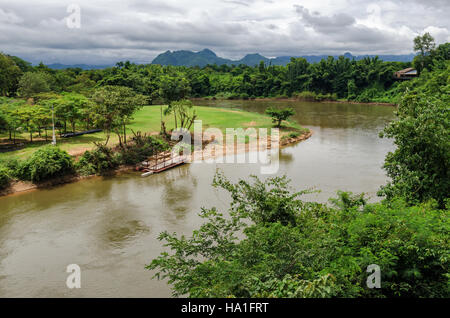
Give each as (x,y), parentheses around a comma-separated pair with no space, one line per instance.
(205,57)
(58,66)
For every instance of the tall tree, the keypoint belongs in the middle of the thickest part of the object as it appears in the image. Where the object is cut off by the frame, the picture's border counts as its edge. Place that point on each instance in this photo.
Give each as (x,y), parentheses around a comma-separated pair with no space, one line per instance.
(114,107)
(424,45)
(32,83)
(9,76)
(172,88)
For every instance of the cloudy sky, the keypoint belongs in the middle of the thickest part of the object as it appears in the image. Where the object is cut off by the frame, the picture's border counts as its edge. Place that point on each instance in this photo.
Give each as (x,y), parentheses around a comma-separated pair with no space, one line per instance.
(138,30)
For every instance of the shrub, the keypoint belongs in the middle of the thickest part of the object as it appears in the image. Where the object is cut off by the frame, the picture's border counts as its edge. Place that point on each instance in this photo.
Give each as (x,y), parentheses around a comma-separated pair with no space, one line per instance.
(5,177)
(272,244)
(278,115)
(98,161)
(294,134)
(12,166)
(46,163)
(306,95)
(141,147)
(419,166)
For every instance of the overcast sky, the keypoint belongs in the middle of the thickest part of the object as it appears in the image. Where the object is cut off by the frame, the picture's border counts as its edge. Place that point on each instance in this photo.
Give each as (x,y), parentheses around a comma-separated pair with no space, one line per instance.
(138,30)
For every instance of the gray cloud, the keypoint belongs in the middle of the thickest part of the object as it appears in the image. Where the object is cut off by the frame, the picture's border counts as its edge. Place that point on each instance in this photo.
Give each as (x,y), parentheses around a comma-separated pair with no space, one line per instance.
(325,24)
(138,30)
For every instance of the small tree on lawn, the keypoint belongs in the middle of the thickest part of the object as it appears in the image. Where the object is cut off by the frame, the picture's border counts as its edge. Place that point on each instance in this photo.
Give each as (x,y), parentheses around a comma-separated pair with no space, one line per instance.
(278,115)
(114,107)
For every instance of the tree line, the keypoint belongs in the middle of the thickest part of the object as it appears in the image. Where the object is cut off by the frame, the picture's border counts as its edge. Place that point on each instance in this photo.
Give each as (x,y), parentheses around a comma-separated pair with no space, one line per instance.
(369,79)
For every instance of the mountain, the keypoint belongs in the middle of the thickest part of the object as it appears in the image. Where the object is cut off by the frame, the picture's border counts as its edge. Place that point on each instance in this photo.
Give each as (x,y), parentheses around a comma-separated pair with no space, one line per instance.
(252,60)
(189,58)
(205,57)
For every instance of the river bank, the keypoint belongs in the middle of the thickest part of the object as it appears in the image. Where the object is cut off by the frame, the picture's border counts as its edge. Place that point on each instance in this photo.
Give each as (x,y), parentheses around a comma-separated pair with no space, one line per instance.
(19,187)
(110,226)
(294,99)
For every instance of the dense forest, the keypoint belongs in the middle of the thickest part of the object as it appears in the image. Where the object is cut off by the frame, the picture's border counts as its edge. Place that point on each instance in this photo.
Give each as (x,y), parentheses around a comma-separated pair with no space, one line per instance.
(366,80)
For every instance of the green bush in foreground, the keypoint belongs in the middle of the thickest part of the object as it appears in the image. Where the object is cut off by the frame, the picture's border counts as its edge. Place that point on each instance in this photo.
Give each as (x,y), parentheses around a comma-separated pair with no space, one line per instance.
(292,248)
(419,167)
(46,163)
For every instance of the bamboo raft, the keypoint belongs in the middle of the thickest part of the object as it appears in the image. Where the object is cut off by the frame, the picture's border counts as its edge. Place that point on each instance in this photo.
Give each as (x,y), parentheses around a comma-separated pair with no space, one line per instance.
(163,162)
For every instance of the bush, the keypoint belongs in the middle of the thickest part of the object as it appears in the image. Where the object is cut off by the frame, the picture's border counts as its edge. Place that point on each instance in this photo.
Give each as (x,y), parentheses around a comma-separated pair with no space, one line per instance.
(12,166)
(294,134)
(306,96)
(142,147)
(419,167)
(46,163)
(98,161)
(272,244)
(279,115)
(311,96)
(5,177)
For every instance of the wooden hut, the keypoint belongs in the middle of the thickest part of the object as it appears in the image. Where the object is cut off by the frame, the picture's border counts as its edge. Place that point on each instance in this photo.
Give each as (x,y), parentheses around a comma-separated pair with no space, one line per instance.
(406,74)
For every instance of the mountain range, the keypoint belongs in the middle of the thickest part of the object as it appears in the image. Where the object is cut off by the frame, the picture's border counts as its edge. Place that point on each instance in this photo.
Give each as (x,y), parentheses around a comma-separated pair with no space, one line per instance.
(206,56)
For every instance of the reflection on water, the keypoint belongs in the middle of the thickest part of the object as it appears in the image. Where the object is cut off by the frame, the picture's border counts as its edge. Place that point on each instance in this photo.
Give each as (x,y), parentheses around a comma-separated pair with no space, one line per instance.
(109,226)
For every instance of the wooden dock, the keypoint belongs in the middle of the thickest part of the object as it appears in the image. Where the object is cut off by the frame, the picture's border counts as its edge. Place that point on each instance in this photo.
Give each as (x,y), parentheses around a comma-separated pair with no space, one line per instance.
(163,162)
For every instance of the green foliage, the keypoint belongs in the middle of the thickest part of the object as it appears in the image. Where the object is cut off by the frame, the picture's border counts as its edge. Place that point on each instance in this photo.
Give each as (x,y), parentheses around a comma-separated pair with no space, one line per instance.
(173,88)
(294,134)
(183,112)
(419,167)
(100,160)
(315,97)
(46,163)
(279,115)
(114,107)
(32,83)
(5,177)
(141,148)
(424,45)
(271,244)
(12,167)
(9,75)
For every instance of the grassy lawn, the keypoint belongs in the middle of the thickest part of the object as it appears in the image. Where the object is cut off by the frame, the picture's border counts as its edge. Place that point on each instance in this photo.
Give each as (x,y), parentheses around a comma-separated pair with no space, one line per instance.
(148,120)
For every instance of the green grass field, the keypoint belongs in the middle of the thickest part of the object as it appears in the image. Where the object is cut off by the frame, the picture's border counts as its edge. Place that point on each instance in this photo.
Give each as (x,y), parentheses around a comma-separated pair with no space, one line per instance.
(148,120)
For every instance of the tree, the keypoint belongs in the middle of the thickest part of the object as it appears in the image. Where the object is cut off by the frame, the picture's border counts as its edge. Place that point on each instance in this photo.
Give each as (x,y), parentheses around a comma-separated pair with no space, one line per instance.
(270,243)
(71,107)
(424,44)
(3,121)
(27,118)
(9,76)
(43,117)
(186,113)
(172,88)
(278,115)
(11,118)
(32,83)
(183,112)
(419,168)
(114,107)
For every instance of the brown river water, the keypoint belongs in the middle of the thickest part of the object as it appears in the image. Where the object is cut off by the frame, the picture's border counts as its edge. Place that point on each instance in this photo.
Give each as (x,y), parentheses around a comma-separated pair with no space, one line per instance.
(109,226)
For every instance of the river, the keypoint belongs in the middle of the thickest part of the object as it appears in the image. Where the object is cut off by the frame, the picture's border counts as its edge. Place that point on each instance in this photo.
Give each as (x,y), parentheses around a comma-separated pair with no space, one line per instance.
(109,226)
